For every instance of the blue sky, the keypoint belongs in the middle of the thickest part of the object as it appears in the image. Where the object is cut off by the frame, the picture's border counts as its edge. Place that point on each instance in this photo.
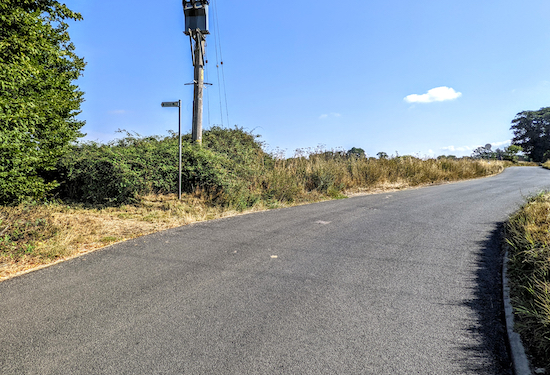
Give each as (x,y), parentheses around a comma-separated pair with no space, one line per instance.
(425,77)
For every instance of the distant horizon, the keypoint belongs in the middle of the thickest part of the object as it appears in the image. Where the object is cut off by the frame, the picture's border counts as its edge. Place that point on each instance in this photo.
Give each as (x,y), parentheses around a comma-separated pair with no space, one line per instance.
(118,134)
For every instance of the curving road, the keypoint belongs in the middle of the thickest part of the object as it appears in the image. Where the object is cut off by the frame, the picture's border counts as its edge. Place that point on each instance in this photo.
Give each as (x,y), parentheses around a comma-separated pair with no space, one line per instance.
(399,283)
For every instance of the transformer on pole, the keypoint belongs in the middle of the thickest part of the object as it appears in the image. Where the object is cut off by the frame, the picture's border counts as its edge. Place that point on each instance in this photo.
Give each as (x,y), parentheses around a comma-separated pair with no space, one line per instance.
(196,26)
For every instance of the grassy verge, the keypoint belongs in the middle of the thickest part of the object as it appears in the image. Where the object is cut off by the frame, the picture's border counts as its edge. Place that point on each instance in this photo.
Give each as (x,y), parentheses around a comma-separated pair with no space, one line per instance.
(121,190)
(35,235)
(528,234)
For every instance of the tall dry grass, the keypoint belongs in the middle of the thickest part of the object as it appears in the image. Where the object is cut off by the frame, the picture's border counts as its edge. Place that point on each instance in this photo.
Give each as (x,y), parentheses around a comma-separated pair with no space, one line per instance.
(333,174)
(33,235)
(528,234)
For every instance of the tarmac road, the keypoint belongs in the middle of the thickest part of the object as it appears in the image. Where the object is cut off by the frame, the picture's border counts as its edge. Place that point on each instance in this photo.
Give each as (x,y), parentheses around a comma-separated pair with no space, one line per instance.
(399,283)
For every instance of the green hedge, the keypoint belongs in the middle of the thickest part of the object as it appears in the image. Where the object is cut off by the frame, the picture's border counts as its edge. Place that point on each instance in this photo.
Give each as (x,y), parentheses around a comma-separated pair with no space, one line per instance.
(120,171)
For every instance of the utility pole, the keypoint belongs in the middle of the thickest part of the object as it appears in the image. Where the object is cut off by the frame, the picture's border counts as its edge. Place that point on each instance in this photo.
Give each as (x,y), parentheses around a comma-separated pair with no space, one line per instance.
(198,63)
(196,26)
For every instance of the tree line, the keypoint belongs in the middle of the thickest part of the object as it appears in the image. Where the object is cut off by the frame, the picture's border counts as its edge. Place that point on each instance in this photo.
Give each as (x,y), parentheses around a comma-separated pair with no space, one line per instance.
(510,153)
(531,131)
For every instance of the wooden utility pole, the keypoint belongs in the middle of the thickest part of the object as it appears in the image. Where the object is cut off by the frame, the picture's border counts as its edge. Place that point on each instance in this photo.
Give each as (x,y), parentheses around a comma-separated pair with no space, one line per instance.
(196,26)
(198,63)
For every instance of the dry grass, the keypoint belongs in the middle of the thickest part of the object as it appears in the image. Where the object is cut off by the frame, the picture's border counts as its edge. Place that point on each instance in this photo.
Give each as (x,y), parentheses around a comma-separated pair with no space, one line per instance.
(33,236)
(332,175)
(528,233)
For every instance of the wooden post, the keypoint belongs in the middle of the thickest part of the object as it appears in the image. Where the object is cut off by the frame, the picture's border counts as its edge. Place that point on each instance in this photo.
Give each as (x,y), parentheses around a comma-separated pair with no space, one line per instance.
(198,63)
(179,141)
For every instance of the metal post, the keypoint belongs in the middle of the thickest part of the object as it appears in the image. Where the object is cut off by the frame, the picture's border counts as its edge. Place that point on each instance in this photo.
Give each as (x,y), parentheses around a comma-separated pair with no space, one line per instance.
(198,63)
(179,139)
(177,104)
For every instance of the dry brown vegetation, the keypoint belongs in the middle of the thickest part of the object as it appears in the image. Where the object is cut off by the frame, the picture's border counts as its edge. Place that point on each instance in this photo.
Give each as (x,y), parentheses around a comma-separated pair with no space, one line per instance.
(34,235)
(528,234)
(39,234)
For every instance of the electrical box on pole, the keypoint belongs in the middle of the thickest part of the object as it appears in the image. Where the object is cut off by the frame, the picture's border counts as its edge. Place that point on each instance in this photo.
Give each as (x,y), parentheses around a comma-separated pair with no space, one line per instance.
(196,15)
(196,26)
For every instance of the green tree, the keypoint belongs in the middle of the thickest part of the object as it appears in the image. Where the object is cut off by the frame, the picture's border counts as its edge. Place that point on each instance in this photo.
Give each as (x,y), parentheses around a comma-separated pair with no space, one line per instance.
(356,152)
(38,100)
(532,133)
(382,155)
(484,152)
(511,153)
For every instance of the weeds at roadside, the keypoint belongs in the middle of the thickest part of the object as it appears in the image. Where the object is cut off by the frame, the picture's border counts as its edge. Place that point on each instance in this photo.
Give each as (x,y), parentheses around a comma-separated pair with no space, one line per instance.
(528,234)
(125,189)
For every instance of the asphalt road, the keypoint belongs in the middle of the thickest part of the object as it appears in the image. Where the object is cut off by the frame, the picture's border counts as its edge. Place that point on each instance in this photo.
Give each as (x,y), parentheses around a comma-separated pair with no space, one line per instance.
(399,283)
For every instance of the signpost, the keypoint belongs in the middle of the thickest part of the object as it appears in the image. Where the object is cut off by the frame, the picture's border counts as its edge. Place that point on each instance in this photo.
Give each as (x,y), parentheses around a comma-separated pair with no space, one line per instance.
(177,104)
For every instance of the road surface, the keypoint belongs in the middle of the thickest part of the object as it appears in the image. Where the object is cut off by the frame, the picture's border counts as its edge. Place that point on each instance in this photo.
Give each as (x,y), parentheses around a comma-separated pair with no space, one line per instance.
(399,283)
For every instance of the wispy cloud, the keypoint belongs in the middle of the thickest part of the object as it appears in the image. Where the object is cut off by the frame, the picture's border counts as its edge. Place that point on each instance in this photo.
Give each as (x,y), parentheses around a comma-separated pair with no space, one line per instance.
(438,94)
(498,144)
(455,149)
(118,112)
(327,115)
(469,149)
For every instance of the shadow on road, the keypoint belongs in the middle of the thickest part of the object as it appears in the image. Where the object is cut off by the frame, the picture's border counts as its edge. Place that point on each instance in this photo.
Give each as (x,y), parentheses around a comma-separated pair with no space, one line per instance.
(491,356)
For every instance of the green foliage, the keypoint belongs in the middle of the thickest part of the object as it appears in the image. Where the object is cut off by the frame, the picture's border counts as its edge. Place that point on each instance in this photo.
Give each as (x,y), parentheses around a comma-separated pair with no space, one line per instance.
(484,152)
(532,133)
(38,100)
(227,169)
(356,152)
(121,170)
(511,153)
(232,170)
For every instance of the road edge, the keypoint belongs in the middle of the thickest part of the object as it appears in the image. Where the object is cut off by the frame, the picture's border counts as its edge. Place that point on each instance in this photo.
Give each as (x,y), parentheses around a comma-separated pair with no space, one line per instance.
(520,362)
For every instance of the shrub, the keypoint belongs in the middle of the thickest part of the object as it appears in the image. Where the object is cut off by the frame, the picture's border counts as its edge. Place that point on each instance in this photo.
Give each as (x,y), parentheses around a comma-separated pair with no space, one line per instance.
(120,171)
(232,170)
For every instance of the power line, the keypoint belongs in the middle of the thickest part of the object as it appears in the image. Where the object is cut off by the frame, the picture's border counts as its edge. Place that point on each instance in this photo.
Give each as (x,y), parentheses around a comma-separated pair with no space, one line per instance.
(219,62)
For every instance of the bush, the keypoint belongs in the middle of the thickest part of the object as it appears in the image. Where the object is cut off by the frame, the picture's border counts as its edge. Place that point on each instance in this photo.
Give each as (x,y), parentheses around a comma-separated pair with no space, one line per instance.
(232,170)
(122,170)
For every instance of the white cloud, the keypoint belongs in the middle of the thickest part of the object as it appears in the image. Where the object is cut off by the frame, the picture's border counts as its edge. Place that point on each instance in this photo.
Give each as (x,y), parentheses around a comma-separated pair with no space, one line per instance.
(454,149)
(438,94)
(466,150)
(497,144)
(327,115)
